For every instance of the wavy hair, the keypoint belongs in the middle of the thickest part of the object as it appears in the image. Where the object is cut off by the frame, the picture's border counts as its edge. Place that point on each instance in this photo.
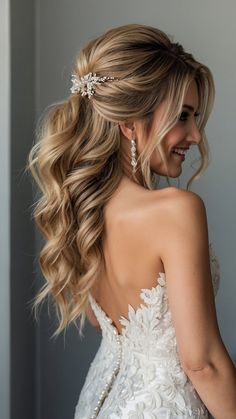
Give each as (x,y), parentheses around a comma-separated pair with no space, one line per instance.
(77,158)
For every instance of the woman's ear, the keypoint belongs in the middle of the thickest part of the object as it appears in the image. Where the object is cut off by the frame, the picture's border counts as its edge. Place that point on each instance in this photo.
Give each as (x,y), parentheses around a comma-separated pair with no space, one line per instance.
(127,129)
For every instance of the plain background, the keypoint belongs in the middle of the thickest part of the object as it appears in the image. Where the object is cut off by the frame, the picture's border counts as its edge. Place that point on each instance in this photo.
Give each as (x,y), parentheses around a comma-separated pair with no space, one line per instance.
(39,41)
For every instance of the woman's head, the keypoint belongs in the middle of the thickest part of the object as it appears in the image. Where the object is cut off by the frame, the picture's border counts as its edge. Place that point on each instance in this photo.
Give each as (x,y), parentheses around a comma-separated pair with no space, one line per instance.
(83,148)
(175,143)
(150,72)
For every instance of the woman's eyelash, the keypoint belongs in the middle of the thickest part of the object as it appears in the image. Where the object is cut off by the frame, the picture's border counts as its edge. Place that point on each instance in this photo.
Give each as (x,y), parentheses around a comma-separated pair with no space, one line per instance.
(184,115)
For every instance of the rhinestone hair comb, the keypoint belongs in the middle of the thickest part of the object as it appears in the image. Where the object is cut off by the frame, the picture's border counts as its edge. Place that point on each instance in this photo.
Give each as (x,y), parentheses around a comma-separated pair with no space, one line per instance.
(85,85)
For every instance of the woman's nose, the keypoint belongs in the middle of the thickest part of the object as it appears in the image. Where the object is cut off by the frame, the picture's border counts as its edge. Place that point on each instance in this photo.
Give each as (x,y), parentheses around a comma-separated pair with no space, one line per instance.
(194,134)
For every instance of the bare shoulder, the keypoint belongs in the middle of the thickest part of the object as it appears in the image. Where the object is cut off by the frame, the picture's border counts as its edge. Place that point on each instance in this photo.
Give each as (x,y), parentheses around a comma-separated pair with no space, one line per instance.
(174,199)
(156,228)
(177,199)
(181,212)
(161,214)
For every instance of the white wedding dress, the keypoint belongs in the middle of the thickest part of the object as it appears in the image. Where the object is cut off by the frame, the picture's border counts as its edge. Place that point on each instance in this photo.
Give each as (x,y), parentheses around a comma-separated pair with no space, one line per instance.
(137,374)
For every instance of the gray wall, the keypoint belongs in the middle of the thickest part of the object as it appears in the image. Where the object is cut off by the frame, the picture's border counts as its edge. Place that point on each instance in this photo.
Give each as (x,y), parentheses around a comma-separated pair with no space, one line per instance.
(206,28)
(21,97)
(5,210)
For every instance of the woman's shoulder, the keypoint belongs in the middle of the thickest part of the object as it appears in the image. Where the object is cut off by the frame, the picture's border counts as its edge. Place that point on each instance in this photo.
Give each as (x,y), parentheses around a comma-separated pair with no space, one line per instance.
(174,204)
(176,201)
(178,195)
(153,208)
(169,213)
(179,209)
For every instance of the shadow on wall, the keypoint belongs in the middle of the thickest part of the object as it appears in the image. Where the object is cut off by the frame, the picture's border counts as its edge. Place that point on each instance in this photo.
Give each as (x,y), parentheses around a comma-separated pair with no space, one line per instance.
(64,363)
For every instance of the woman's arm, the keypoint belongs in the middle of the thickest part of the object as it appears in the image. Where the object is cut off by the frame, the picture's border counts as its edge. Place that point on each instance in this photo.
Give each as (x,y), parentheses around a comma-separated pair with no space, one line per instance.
(191,298)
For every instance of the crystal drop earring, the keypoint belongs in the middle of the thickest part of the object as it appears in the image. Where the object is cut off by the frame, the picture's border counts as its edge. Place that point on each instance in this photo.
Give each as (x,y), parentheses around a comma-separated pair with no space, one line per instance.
(133,155)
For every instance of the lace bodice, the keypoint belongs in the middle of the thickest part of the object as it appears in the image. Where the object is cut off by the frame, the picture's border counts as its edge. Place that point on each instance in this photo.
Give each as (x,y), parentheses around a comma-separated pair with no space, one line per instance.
(137,374)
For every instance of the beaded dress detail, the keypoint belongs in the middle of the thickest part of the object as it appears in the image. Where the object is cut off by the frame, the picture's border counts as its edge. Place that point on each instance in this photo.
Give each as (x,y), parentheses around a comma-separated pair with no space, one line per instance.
(137,374)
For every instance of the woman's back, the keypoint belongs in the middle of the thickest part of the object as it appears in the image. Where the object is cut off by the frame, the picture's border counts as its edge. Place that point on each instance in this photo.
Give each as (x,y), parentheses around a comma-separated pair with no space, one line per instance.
(130,247)
(134,238)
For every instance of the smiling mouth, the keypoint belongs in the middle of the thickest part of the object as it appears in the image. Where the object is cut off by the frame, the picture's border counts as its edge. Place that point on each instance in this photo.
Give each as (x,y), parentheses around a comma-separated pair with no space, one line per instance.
(179,151)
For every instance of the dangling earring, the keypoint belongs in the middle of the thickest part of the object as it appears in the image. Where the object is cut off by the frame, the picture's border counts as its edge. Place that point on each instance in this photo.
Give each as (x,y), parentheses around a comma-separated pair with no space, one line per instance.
(133,155)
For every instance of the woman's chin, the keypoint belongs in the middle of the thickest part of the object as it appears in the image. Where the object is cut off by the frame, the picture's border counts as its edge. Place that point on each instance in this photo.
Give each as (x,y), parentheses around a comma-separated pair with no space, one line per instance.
(173,172)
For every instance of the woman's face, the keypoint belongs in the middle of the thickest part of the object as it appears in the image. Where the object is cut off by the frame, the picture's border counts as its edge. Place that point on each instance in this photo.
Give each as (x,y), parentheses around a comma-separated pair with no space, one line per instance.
(181,136)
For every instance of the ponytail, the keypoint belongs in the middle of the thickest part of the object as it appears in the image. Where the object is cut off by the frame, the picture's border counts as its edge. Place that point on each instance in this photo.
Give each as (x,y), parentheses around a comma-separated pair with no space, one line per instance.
(76,165)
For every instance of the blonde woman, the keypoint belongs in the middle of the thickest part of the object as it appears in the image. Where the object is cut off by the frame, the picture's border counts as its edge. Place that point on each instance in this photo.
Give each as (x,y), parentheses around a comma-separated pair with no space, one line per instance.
(134,258)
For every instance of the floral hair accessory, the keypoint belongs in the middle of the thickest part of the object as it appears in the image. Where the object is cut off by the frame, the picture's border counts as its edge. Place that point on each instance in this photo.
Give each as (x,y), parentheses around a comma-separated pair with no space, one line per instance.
(85,85)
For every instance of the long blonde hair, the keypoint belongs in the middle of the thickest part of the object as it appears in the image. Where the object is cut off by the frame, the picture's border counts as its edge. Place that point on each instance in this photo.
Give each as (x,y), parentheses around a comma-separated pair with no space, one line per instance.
(77,161)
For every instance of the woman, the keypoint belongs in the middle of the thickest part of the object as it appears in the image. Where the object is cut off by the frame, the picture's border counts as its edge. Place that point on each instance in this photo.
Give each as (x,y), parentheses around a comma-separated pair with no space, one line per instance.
(133,258)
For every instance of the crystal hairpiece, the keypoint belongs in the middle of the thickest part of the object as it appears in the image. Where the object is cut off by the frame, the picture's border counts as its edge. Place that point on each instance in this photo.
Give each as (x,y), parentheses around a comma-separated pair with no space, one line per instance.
(85,85)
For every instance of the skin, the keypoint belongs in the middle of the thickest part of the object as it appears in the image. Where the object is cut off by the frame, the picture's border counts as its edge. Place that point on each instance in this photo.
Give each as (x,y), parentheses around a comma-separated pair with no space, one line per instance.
(147,232)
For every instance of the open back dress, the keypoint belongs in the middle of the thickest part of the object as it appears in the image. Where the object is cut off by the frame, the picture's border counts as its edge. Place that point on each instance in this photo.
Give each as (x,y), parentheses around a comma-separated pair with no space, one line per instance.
(137,374)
